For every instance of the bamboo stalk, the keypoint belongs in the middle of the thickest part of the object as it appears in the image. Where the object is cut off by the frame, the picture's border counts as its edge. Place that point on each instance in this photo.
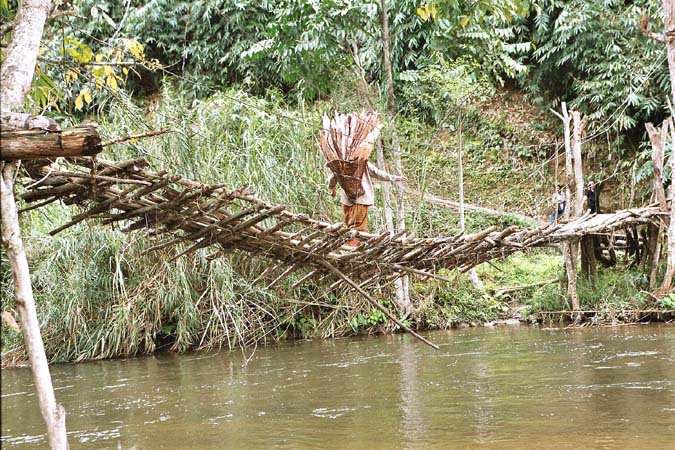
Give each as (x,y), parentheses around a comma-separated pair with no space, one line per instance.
(372,301)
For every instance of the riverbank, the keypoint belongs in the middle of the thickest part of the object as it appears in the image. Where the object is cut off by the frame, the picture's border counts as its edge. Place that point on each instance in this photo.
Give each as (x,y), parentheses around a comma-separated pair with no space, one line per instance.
(15,358)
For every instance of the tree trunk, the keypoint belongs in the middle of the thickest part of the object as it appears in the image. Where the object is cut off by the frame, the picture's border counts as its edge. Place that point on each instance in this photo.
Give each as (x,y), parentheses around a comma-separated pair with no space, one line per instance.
(475,280)
(658,141)
(570,248)
(576,156)
(666,285)
(16,75)
(658,149)
(670,268)
(39,144)
(669,33)
(569,173)
(386,193)
(402,289)
(656,257)
(18,66)
(53,413)
(386,44)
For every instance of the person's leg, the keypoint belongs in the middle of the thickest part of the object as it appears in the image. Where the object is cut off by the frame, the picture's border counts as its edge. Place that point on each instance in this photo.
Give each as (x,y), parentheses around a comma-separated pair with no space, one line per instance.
(356,217)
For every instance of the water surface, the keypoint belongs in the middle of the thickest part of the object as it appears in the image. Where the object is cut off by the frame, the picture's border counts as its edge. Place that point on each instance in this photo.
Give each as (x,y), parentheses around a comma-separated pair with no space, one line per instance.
(487,388)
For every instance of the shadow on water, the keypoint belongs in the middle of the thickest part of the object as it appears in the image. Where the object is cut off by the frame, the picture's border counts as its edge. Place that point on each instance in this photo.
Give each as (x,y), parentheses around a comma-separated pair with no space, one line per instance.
(489,388)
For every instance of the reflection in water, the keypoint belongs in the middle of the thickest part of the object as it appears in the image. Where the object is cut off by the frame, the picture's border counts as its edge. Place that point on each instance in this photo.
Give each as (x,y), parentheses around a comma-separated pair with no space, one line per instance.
(412,422)
(500,388)
(482,402)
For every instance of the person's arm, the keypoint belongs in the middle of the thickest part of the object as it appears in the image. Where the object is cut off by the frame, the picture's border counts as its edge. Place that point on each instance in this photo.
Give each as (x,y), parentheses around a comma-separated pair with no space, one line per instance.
(382,175)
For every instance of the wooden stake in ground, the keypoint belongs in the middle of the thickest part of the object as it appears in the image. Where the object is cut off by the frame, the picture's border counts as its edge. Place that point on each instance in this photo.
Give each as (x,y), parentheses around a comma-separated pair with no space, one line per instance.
(589,269)
(570,262)
(17,72)
(475,280)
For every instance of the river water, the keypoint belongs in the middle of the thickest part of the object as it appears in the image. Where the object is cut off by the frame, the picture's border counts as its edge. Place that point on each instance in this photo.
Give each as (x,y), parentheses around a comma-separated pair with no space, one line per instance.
(487,388)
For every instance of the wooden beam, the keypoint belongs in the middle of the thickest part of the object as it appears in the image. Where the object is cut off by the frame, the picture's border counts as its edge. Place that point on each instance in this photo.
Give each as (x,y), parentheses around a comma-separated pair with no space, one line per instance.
(82,140)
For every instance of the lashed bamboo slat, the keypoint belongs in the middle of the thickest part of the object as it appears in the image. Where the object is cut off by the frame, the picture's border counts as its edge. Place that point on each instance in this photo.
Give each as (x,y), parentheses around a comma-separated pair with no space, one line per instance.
(201,215)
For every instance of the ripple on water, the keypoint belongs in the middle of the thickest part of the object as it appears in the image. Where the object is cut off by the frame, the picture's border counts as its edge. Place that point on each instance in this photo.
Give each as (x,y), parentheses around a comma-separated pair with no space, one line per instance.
(652,385)
(14,394)
(334,413)
(23,439)
(632,354)
(94,436)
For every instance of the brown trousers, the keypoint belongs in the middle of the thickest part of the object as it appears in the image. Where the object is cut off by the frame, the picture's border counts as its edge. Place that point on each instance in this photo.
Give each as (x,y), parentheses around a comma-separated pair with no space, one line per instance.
(356,216)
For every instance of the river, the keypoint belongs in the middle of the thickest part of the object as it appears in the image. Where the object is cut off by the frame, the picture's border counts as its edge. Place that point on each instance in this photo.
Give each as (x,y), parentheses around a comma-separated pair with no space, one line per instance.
(510,387)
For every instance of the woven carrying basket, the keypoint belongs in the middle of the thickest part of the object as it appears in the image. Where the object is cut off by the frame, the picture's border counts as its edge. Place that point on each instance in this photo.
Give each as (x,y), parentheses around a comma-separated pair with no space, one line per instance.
(349,175)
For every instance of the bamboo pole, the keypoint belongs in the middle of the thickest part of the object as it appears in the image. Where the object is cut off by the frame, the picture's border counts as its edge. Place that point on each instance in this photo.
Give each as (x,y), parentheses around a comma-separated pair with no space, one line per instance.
(373,302)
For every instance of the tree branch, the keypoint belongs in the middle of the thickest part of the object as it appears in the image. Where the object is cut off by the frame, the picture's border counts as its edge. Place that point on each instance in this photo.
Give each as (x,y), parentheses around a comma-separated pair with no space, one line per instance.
(645,27)
(53,14)
(134,137)
(90,63)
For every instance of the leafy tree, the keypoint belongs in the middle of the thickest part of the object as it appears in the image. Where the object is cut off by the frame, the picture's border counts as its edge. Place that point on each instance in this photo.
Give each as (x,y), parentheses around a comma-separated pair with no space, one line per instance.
(307,41)
(444,88)
(204,40)
(77,70)
(310,41)
(592,55)
(491,32)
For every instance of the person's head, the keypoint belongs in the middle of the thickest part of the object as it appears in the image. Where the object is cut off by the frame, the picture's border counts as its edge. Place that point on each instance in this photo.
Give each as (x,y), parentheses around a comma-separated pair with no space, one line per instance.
(558,188)
(591,184)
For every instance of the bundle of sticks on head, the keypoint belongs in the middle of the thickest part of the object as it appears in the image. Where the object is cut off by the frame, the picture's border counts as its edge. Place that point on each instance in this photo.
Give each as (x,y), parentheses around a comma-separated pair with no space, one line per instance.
(349,137)
(346,142)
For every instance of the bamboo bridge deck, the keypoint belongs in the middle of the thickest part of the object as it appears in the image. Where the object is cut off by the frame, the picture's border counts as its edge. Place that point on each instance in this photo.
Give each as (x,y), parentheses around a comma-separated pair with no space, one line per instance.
(202,215)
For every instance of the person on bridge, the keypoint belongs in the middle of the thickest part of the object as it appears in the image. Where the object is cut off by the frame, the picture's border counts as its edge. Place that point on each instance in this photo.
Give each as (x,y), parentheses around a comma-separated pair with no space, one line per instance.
(356,209)
(593,197)
(559,202)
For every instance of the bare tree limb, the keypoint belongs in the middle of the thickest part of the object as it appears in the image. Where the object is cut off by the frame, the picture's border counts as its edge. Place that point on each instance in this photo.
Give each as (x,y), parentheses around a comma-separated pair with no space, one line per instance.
(645,27)
(134,137)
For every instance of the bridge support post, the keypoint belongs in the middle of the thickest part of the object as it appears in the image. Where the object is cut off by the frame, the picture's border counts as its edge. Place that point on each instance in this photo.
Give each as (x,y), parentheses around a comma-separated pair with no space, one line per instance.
(651,253)
(589,268)
(570,253)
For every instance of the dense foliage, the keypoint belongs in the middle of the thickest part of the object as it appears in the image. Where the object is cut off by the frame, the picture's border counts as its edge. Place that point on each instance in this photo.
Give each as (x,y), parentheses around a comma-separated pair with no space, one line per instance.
(593,55)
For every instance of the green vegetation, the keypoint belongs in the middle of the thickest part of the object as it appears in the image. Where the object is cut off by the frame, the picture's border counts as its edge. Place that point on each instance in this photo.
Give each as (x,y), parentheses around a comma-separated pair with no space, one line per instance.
(245,83)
